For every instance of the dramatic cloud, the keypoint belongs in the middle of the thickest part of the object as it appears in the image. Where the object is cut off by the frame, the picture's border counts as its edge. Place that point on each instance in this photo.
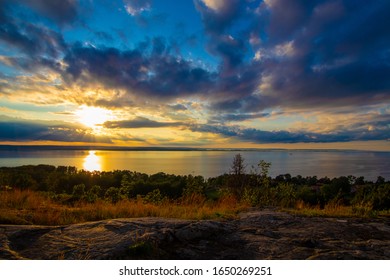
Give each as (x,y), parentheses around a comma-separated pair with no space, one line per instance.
(61,11)
(13,129)
(240,117)
(337,53)
(29,47)
(282,136)
(177,107)
(255,135)
(32,39)
(307,55)
(216,5)
(294,66)
(136,7)
(217,15)
(231,51)
(140,122)
(156,75)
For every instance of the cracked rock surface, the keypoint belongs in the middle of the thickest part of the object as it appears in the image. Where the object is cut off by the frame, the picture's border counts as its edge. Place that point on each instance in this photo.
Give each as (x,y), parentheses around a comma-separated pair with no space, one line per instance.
(260,234)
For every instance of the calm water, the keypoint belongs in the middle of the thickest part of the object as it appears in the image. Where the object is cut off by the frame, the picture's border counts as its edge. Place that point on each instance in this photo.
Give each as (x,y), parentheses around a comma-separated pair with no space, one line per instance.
(211,163)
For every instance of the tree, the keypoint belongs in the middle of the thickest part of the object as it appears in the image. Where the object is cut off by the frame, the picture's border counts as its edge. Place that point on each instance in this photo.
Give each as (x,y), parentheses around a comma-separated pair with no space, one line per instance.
(264,167)
(266,193)
(237,175)
(238,166)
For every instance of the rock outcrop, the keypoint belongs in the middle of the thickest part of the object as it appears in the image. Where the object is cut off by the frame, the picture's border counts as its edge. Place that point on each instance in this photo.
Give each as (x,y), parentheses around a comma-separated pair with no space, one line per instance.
(262,234)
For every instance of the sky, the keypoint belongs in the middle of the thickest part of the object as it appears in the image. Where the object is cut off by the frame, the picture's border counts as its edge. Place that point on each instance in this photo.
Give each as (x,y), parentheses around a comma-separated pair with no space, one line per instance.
(196,73)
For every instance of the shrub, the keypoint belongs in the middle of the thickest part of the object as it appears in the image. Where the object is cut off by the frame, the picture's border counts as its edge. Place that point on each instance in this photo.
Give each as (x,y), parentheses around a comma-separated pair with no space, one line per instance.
(286,195)
(380,197)
(154,197)
(194,185)
(375,196)
(93,194)
(338,188)
(112,195)
(307,195)
(251,196)
(78,192)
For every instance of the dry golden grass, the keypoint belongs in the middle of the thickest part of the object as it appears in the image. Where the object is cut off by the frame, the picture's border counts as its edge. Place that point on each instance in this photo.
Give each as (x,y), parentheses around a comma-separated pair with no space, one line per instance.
(340,211)
(28,207)
(335,209)
(20,200)
(25,207)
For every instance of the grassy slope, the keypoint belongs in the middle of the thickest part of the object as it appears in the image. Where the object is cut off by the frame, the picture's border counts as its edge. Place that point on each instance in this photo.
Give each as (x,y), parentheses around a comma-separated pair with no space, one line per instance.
(27,207)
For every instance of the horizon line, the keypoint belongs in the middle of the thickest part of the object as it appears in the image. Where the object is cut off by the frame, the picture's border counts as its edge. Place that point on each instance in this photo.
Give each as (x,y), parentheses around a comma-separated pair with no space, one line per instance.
(162,148)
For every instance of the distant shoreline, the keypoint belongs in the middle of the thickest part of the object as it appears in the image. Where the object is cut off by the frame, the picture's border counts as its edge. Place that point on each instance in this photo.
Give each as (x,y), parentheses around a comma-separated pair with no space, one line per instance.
(168,149)
(201,161)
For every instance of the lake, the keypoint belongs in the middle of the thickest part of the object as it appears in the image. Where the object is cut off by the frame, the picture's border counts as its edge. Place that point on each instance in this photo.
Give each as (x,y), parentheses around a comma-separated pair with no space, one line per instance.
(209,163)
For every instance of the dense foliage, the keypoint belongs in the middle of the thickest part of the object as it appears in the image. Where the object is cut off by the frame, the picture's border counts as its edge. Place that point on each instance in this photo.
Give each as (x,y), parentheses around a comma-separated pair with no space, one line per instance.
(256,188)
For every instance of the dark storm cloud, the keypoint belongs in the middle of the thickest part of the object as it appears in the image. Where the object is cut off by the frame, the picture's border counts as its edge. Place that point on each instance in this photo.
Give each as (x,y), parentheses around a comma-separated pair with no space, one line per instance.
(30,64)
(231,51)
(339,52)
(240,117)
(25,130)
(240,83)
(32,39)
(60,11)
(286,18)
(261,136)
(177,107)
(227,105)
(240,100)
(312,54)
(239,75)
(140,122)
(217,21)
(35,45)
(255,135)
(147,70)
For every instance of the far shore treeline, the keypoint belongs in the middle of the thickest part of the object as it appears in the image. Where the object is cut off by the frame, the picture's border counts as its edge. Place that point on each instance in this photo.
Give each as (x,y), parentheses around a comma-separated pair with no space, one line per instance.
(254,187)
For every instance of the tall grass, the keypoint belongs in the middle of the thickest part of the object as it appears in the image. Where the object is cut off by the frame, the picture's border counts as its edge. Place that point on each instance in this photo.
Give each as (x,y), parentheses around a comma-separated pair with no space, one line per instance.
(336,209)
(26,207)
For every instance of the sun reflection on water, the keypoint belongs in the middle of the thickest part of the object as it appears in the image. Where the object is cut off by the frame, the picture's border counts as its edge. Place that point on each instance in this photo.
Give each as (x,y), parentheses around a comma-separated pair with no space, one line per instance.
(92,162)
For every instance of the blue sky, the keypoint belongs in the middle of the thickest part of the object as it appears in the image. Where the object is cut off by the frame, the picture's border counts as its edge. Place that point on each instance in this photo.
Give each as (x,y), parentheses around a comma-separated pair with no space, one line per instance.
(199,73)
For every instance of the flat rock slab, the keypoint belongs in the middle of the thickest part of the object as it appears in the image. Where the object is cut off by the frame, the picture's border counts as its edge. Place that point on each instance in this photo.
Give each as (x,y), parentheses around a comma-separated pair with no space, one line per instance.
(258,234)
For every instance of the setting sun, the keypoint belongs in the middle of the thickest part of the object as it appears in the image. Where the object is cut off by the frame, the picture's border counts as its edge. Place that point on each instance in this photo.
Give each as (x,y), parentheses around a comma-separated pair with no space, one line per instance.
(92,162)
(92,116)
